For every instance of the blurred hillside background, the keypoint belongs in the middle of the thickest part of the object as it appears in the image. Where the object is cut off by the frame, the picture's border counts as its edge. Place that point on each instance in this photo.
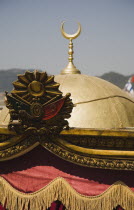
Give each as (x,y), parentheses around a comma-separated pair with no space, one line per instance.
(8,76)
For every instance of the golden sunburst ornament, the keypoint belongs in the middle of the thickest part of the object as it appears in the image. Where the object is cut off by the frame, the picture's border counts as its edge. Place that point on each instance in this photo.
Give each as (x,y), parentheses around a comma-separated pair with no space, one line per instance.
(35,85)
(37,104)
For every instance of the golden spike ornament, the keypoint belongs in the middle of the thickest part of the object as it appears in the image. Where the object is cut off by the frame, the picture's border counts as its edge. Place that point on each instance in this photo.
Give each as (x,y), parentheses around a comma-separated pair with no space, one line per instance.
(70,68)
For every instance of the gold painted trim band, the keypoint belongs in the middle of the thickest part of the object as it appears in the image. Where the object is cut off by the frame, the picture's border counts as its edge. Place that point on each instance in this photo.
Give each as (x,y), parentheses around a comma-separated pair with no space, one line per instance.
(128,132)
(95,152)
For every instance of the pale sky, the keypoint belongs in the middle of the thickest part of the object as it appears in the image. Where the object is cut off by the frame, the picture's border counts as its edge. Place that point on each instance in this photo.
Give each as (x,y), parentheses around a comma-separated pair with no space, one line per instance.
(30,35)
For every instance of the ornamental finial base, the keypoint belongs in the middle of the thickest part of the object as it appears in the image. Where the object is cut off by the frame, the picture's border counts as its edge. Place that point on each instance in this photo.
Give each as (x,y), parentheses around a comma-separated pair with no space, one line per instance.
(70,69)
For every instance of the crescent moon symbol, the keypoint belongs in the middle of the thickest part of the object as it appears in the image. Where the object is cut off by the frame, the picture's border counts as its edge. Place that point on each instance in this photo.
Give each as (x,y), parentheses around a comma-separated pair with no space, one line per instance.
(70,36)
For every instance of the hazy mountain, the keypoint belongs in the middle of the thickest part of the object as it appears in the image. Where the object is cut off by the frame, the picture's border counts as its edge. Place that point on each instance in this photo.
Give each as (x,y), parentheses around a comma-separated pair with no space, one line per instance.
(8,76)
(116,78)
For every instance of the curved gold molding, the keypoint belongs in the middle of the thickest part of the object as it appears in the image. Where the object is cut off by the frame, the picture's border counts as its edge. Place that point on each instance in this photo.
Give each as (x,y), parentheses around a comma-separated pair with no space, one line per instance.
(97,152)
(115,163)
(126,132)
(6,131)
(12,141)
(12,146)
(107,149)
(60,189)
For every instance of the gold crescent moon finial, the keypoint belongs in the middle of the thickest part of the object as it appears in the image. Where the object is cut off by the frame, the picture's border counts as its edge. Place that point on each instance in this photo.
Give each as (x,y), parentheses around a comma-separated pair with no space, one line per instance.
(70,68)
(70,36)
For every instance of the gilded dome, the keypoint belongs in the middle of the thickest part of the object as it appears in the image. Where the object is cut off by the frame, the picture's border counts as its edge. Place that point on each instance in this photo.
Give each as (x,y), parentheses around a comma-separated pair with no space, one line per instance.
(98,103)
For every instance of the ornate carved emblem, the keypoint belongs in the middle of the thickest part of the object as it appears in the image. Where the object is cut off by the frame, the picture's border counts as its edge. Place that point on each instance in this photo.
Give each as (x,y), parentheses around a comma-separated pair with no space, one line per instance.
(36,104)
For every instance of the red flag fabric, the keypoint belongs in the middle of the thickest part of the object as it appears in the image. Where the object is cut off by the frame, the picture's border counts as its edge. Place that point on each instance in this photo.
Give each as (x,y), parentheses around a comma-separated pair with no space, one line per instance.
(132,79)
(52,109)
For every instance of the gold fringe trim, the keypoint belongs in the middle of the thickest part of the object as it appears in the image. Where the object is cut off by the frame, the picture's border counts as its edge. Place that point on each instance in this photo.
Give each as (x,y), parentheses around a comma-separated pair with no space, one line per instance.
(59,189)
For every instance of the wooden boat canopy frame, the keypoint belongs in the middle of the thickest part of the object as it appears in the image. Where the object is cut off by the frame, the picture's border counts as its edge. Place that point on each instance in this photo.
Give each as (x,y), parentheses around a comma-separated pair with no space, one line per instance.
(34,121)
(110,149)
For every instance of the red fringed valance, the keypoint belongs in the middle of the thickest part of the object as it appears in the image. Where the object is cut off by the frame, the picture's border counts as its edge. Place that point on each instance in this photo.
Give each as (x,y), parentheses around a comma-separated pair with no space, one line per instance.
(36,169)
